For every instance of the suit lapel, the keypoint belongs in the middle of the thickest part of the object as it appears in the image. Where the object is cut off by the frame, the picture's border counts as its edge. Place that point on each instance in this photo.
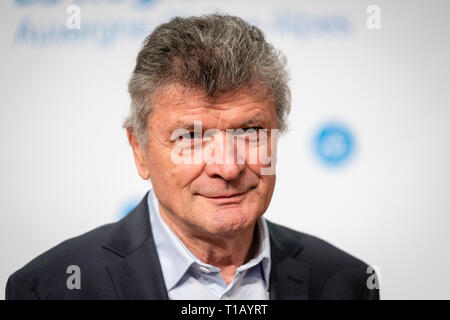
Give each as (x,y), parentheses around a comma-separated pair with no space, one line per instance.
(289,278)
(138,274)
(137,277)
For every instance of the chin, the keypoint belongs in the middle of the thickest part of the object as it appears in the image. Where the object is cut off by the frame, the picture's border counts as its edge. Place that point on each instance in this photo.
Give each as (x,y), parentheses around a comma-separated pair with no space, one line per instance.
(227,221)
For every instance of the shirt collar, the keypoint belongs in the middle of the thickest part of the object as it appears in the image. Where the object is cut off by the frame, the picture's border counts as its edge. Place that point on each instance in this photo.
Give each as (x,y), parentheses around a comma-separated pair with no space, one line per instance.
(176,259)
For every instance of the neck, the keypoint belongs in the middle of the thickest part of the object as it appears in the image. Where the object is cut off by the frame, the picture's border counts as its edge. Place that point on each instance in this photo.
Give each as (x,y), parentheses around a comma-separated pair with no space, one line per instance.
(226,252)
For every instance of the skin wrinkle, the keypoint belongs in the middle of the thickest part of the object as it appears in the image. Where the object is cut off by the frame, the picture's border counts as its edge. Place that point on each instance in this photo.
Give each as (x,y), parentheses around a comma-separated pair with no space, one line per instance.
(218,234)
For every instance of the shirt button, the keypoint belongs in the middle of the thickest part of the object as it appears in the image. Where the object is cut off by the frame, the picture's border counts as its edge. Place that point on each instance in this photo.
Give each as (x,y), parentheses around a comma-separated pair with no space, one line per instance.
(204,269)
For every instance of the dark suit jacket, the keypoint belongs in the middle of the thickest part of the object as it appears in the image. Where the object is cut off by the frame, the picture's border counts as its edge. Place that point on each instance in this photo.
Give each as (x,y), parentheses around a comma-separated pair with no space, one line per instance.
(120,261)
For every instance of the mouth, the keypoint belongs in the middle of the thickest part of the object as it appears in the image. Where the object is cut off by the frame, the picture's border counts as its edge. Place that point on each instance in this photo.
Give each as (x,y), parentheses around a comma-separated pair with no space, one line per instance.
(222,199)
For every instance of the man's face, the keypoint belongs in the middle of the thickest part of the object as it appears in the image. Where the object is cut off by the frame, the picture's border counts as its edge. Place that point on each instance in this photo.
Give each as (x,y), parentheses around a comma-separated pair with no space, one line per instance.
(211,198)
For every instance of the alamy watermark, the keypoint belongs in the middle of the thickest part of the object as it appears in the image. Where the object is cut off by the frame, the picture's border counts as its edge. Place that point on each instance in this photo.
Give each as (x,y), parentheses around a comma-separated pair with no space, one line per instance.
(373,21)
(74,19)
(74,280)
(373,280)
(250,146)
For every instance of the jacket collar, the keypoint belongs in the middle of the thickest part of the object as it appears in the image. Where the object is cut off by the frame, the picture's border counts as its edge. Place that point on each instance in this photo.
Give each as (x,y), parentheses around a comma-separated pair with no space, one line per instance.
(289,277)
(138,274)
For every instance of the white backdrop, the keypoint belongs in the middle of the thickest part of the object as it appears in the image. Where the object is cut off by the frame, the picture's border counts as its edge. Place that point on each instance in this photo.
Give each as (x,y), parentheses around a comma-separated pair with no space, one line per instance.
(66,166)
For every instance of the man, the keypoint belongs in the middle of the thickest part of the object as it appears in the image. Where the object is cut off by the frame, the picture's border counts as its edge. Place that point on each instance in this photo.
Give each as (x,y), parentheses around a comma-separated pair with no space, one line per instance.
(209,95)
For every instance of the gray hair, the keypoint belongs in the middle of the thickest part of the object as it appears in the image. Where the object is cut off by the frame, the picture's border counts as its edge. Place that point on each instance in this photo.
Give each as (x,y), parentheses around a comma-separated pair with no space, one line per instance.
(215,53)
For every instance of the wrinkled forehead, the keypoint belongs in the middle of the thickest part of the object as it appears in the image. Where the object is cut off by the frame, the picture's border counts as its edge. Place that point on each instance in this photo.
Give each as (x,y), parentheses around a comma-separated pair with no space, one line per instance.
(175,107)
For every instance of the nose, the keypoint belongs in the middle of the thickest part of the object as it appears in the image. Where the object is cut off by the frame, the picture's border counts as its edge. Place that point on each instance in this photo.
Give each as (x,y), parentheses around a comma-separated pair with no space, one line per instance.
(228,167)
(229,171)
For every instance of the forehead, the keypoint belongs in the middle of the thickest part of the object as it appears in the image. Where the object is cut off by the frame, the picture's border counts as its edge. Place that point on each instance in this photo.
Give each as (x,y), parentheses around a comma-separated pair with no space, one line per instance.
(178,106)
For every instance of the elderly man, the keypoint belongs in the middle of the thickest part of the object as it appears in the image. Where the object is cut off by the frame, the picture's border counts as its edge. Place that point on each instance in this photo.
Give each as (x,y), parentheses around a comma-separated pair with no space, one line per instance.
(209,96)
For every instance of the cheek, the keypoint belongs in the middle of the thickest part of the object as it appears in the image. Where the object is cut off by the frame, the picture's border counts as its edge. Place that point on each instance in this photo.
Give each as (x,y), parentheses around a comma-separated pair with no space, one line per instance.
(183,174)
(161,165)
(168,177)
(261,156)
(265,187)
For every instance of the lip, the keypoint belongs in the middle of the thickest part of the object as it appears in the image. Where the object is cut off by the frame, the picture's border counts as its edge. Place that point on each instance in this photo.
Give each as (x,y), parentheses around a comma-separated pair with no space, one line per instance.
(234,198)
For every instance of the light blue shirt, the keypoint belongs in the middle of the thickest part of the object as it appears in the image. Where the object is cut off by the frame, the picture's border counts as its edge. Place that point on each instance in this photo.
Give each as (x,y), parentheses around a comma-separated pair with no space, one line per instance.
(186,277)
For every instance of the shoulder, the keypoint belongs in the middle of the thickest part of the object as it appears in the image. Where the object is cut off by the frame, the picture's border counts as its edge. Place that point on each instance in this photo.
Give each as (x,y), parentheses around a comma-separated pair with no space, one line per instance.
(334,273)
(313,249)
(49,271)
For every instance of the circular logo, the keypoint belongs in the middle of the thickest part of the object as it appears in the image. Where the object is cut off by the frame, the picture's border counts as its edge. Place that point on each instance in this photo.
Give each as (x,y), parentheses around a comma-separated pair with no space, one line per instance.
(334,144)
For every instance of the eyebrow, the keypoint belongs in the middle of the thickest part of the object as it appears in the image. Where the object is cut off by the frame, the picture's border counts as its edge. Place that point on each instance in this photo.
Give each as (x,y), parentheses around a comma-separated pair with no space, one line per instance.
(252,122)
(189,126)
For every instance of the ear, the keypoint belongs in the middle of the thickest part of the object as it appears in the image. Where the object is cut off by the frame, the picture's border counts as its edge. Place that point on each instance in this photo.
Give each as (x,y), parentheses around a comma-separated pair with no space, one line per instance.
(140,158)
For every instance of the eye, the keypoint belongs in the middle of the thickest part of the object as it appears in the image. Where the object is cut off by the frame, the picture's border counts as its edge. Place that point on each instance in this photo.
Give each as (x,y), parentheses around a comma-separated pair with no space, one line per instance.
(190,140)
(249,130)
(191,135)
(249,134)
(253,128)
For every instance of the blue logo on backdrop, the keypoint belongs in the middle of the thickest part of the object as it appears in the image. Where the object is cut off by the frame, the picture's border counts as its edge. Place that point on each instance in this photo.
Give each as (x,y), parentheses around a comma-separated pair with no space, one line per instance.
(334,144)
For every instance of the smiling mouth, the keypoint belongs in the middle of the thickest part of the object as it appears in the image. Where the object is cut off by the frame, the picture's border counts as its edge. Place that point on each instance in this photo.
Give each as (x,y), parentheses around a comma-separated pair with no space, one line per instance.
(226,199)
